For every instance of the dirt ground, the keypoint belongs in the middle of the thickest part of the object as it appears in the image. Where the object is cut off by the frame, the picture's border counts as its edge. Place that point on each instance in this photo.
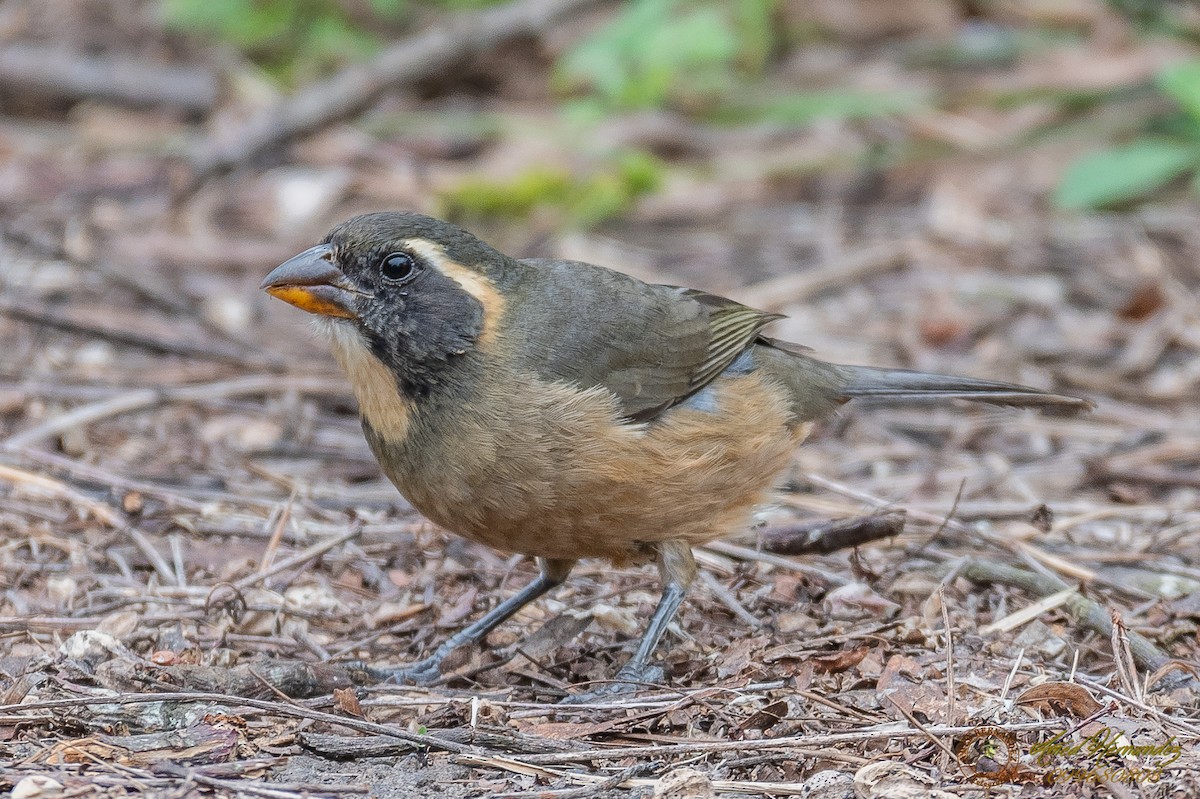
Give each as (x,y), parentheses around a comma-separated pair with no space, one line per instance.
(198,552)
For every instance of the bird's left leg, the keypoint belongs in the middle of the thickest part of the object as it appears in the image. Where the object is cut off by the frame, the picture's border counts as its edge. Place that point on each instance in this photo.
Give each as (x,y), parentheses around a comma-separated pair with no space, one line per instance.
(678,569)
(553,573)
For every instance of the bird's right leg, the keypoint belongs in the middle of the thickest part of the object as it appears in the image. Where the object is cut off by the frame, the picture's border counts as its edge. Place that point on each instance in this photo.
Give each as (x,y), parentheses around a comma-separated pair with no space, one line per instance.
(678,569)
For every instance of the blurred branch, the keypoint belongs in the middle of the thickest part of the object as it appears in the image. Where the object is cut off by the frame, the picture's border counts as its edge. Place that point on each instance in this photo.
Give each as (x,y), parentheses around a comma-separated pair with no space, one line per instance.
(58,73)
(803,539)
(235,353)
(1086,612)
(140,399)
(349,91)
(849,269)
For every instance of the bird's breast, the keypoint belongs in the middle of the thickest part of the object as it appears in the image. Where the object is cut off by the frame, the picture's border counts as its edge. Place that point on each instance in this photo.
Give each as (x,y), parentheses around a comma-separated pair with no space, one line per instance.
(551,469)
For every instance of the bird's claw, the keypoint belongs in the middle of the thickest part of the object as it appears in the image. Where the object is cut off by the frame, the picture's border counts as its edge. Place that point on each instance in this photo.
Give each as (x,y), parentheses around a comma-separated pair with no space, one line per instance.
(423,672)
(630,679)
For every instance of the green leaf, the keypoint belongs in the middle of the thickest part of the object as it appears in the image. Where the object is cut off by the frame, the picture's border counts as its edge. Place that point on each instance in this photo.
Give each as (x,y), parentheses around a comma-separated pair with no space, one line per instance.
(388,9)
(1127,173)
(655,52)
(755,24)
(583,200)
(805,107)
(290,39)
(1182,83)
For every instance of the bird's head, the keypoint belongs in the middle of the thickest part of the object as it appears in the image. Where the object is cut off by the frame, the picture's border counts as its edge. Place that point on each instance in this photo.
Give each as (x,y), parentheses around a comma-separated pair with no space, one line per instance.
(416,292)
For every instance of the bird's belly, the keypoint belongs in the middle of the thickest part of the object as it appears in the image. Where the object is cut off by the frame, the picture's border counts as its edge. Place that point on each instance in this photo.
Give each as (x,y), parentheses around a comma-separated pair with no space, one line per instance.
(553,471)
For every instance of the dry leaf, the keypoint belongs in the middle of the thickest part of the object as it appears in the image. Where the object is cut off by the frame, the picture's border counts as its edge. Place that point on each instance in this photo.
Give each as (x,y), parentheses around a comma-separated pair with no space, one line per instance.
(891,780)
(562,730)
(905,688)
(839,661)
(346,701)
(858,601)
(1060,699)
(829,784)
(740,656)
(121,625)
(766,718)
(1143,302)
(684,783)
(36,786)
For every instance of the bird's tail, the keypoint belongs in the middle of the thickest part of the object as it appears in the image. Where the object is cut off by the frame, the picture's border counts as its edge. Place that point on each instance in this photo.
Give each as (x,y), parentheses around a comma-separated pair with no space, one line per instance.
(902,384)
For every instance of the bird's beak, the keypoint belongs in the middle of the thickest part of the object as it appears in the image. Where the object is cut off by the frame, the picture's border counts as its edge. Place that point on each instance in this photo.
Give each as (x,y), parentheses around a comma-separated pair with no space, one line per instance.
(313,283)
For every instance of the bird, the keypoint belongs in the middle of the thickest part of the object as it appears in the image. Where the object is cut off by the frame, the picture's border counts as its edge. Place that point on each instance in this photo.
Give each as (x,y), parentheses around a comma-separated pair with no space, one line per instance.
(563,411)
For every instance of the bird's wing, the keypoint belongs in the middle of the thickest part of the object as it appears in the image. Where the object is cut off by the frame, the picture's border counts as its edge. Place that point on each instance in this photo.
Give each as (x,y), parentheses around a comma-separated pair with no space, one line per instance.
(651,345)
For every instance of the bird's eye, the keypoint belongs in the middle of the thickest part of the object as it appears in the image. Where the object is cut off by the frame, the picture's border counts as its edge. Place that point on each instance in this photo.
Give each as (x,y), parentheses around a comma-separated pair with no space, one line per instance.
(398,267)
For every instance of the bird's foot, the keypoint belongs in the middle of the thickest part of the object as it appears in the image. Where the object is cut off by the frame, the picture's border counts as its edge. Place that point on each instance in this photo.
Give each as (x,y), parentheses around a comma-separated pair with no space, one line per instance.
(630,679)
(423,672)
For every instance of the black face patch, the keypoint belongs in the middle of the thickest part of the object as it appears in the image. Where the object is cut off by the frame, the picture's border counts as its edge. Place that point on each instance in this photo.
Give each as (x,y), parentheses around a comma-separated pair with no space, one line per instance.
(420,329)
(418,321)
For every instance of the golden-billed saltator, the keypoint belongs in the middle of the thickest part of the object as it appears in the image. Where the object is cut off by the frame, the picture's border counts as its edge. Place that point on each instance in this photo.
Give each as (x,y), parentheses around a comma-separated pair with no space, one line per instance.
(562,410)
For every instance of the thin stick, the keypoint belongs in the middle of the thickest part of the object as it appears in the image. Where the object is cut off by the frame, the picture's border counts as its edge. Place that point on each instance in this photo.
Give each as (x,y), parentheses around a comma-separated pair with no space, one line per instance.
(25,312)
(157,561)
(1083,610)
(933,739)
(1012,673)
(730,601)
(594,790)
(950,697)
(746,553)
(141,399)
(1163,718)
(1028,613)
(1126,668)
(315,551)
(108,515)
(428,741)
(849,269)
(883,732)
(92,473)
(280,524)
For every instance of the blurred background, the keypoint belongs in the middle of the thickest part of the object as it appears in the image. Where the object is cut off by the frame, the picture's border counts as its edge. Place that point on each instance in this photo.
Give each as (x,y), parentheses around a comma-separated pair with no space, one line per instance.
(939,165)
(1002,188)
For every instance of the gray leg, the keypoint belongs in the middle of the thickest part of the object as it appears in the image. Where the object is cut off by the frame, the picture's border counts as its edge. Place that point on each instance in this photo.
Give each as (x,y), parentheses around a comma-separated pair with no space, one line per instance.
(678,570)
(553,573)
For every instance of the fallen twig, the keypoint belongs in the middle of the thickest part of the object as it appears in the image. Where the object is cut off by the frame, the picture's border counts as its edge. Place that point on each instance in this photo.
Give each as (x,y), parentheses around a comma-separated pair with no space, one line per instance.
(595,789)
(664,750)
(416,740)
(831,536)
(746,553)
(346,747)
(285,679)
(254,788)
(1085,611)
(851,268)
(140,399)
(56,488)
(46,317)
(351,90)
(58,73)
(315,551)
